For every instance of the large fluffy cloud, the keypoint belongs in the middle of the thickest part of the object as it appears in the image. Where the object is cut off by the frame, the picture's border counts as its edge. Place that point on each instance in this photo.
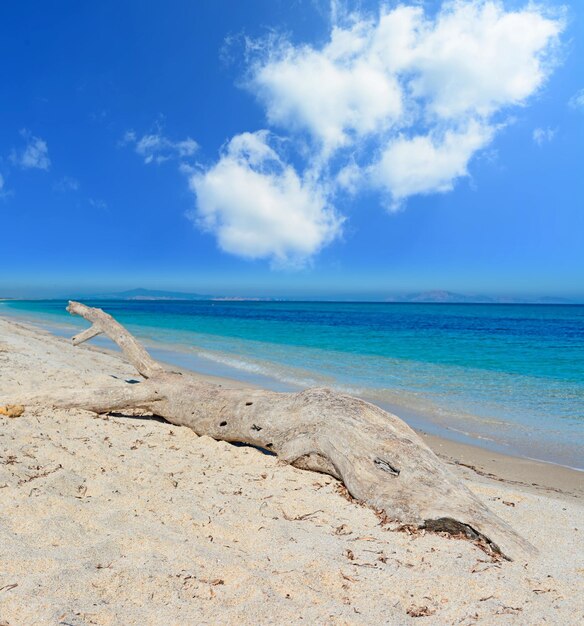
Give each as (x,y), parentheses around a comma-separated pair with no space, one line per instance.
(399,102)
(428,163)
(338,93)
(258,207)
(473,57)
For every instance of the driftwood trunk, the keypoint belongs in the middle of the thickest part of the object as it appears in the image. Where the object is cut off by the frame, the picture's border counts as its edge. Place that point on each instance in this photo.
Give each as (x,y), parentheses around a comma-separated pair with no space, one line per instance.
(382,461)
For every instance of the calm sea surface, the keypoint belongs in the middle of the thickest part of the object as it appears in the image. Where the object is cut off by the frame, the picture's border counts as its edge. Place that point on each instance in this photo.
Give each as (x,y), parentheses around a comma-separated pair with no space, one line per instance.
(509,377)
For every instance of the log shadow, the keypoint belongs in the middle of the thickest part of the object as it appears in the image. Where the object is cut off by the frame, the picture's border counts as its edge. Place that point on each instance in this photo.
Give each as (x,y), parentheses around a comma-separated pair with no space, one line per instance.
(148,418)
(157,418)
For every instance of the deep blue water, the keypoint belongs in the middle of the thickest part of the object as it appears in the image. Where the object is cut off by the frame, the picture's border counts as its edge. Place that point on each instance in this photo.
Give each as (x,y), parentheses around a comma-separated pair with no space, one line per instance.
(506,376)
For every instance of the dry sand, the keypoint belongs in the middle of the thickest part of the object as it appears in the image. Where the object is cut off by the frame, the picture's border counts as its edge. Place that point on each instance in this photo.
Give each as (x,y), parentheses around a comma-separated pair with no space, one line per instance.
(130,520)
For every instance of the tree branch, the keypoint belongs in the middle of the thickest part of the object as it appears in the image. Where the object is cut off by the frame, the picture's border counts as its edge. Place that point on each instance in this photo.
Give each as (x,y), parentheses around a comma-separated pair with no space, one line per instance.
(104,323)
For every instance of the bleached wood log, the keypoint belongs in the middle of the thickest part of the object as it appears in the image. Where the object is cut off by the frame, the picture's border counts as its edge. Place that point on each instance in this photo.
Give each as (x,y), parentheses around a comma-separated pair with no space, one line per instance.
(106,324)
(380,459)
(90,333)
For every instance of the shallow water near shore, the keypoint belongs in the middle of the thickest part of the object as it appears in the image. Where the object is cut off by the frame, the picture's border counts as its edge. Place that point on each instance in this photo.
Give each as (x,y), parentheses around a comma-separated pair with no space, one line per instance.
(506,377)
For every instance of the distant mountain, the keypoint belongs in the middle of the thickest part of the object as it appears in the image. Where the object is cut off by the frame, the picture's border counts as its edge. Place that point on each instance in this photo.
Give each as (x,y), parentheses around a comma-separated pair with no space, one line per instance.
(551,300)
(449,297)
(150,294)
(446,297)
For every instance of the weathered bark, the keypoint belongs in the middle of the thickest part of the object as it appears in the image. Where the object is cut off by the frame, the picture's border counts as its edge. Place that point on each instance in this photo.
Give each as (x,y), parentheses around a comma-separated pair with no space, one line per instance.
(380,459)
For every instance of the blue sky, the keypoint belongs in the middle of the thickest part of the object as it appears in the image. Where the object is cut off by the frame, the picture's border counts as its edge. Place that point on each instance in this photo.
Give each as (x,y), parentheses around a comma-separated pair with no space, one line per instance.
(292,148)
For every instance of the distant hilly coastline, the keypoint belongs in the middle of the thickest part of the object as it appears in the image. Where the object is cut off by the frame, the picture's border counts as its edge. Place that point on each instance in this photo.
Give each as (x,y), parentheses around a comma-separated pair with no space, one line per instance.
(424,297)
(149,294)
(449,297)
(157,294)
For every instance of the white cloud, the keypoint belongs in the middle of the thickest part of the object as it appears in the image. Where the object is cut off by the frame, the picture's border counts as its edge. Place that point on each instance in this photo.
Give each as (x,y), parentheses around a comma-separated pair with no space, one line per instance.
(400,103)
(96,203)
(259,208)
(336,93)
(35,154)
(3,193)
(428,163)
(406,83)
(350,178)
(544,135)
(67,183)
(476,57)
(156,148)
(577,100)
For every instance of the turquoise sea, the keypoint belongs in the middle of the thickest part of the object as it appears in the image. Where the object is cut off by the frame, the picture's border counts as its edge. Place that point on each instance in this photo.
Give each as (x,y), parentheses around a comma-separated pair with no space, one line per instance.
(506,377)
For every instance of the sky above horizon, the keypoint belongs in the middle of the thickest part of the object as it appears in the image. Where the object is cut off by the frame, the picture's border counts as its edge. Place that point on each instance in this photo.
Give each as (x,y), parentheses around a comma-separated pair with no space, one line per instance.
(296,149)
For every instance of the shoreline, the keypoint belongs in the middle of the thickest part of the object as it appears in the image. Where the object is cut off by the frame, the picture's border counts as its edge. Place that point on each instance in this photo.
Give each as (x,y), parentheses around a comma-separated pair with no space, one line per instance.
(528,474)
(542,436)
(485,464)
(124,518)
(473,460)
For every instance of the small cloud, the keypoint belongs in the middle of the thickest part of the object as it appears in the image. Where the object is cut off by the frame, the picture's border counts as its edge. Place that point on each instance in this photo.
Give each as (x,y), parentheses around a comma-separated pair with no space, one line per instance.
(129,137)
(96,203)
(577,100)
(544,135)
(67,183)
(350,178)
(156,148)
(227,52)
(35,154)
(187,169)
(98,116)
(3,193)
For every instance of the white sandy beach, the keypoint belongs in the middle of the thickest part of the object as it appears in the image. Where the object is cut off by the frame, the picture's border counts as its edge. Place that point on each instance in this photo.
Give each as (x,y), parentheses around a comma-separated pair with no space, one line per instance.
(125,519)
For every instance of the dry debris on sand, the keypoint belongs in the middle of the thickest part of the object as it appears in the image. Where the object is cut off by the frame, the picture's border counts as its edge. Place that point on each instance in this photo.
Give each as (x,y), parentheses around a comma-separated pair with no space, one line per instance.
(125,519)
